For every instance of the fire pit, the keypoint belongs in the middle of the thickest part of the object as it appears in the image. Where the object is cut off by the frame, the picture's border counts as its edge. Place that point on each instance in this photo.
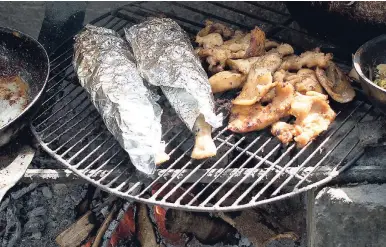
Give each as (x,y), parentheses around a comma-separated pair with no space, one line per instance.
(249,178)
(69,128)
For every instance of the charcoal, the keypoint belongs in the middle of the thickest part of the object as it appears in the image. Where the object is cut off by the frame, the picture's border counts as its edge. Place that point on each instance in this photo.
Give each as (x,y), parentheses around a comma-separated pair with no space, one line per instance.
(36,235)
(12,230)
(4,204)
(16,195)
(39,211)
(47,192)
(34,225)
(60,189)
(371,133)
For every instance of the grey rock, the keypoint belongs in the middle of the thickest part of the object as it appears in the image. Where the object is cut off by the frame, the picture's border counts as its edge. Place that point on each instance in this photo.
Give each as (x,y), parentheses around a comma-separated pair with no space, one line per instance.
(34,225)
(350,216)
(47,192)
(39,211)
(36,235)
(60,189)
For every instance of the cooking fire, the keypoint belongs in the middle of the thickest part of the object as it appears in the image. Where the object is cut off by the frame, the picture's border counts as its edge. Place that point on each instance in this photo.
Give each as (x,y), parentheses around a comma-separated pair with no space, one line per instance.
(190,124)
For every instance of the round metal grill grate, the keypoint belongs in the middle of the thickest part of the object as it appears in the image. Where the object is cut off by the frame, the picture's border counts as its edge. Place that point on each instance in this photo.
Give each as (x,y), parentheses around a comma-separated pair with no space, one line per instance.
(249,170)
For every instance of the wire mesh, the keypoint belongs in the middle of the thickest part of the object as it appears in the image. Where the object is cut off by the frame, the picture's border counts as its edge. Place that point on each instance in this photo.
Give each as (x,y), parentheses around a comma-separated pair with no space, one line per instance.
(249,170)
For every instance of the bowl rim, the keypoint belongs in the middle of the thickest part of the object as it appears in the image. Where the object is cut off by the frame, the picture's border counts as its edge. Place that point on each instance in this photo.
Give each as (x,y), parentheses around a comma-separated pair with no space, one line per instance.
(356,63)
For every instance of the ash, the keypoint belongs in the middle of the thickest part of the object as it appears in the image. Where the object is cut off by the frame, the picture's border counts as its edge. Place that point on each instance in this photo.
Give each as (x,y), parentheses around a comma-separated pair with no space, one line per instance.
(42,213)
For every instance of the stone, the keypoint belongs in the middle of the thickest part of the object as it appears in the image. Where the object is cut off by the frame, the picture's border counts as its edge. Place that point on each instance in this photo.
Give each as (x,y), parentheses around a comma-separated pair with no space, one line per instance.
(39,211)
(60,189)
(47,192)
(34,225)
(36,235)
(349,216)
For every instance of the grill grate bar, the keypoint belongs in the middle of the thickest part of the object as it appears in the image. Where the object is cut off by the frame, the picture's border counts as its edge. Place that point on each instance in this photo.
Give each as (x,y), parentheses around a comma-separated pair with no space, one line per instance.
(117,177)
(66,59)
(231,191)
(58,73)
(257,4)
(277,167)
(261,177)
(88,106)
(63,106)
(200,165)
(229,178)
(211,15)
(103,154)
(63,78)
(211,169)
(174,137)
(136,20)
(80,140)
(111,171)
(105,163)
(177,174)
(277,25)
(58,110)
(184,20)
(72,126)
(88,155)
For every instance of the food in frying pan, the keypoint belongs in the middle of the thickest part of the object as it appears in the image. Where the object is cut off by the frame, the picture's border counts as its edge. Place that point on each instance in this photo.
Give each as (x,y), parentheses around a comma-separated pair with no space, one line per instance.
(165,58)
(380,76)
(275,88)
(13,98)
(107,70)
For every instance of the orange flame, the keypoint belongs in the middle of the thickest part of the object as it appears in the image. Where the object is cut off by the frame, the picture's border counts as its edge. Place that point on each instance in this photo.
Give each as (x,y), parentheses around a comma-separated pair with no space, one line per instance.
(125,229)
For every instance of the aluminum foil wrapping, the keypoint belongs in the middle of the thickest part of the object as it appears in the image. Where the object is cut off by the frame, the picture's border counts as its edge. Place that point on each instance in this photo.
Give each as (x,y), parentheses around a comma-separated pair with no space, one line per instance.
(166,58)
(106,69)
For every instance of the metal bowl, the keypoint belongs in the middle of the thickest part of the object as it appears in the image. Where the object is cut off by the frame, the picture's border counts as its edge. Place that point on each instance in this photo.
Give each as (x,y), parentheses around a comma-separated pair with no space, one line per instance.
(366,58)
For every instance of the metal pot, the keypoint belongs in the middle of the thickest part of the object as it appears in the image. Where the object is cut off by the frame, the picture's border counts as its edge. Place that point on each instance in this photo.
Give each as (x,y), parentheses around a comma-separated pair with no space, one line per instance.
(366,58)
(22,54)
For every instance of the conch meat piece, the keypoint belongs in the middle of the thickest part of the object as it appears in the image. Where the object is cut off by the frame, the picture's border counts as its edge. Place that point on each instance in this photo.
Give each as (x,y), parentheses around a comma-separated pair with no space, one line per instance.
(256,45)
(226,80)
(256,117)
(308,59)
(259,80)
(209,41)
(313,116)
(336,83)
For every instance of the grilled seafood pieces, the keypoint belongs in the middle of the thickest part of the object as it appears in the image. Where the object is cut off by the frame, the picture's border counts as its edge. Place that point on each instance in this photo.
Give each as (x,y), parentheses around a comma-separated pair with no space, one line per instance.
(226,80)
(308,59)
(259,80)
(336,83)
(256,117)
(313,116)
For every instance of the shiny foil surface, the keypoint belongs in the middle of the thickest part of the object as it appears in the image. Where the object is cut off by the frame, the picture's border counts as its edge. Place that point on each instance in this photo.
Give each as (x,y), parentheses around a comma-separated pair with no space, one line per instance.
(166,58)
(106,69)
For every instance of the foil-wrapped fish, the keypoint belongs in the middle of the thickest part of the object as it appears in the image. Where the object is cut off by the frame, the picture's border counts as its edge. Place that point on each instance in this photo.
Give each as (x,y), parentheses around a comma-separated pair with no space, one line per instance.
(166,58)
(106,69)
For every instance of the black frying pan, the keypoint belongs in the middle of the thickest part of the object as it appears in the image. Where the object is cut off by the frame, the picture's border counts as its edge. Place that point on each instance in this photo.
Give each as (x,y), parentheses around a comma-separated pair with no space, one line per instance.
(22,55)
